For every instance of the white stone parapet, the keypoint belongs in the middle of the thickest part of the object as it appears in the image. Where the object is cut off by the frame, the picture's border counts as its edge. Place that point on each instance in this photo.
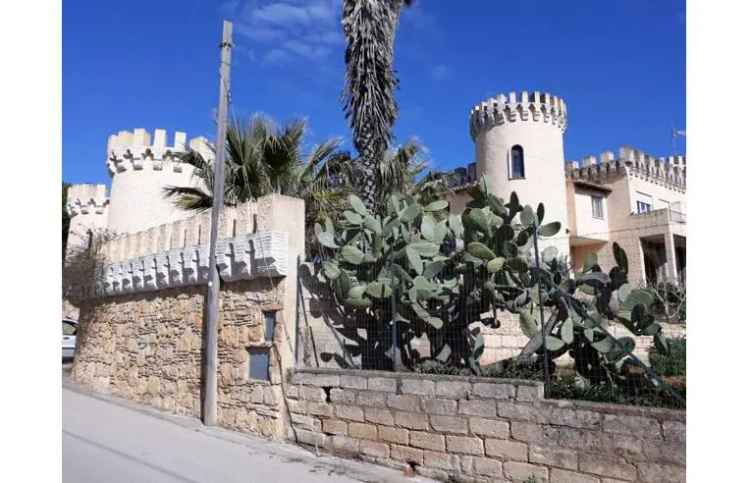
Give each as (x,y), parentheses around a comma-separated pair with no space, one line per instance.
(243,257)
(524,107)
(134,150)
(255,240)
(141,169)
(87,199)
(669,171)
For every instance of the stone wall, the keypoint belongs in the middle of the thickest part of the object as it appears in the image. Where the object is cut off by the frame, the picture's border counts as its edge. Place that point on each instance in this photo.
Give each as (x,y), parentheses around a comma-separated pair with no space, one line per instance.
(480,430)
(145,343)
(508,340)
(148,348)
(327,333)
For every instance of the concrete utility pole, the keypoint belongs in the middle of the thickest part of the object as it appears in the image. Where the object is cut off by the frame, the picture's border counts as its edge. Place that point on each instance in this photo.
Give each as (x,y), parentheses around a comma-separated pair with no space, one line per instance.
(212,297)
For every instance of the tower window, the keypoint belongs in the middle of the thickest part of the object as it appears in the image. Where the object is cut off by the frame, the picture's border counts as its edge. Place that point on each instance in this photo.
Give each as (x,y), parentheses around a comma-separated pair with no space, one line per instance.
(516,162)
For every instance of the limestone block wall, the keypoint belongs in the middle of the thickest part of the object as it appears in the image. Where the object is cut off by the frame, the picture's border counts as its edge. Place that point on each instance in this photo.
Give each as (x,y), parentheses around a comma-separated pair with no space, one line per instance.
(328,334)
(480,430)
(147,347)
(508,340)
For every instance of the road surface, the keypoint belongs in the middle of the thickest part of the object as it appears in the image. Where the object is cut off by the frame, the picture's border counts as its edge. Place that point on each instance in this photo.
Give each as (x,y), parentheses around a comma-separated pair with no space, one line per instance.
(110,440)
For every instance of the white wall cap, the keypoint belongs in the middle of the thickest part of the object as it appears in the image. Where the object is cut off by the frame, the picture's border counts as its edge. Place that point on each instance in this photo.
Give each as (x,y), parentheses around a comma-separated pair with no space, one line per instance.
(607,156)
(179,140)
(160,139)
(141,137)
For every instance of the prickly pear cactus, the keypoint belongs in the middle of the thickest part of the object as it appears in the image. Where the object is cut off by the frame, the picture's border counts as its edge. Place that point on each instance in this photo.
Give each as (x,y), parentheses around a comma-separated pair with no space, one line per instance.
(393,266)
(445,276)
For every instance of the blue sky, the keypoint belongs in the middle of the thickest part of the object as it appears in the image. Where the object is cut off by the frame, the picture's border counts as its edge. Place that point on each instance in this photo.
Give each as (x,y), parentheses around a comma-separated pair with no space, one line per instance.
(619,64)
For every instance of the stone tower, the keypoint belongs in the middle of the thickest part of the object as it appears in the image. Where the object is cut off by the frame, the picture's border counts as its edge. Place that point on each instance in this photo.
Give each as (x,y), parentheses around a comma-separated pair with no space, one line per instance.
(88,207)
(519,147)
(140,170)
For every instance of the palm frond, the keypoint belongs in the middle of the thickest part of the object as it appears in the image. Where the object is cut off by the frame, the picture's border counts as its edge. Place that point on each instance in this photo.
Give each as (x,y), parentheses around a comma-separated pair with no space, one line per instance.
(189,198)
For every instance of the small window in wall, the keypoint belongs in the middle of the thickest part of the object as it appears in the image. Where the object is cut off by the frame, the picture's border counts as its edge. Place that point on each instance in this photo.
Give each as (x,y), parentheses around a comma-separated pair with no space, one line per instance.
(270,322)
(517,169)
(643,207)
(597,207)
(258,363)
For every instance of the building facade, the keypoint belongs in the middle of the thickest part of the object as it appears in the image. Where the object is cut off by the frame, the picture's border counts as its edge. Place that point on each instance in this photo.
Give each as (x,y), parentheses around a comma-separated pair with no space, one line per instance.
(634,199)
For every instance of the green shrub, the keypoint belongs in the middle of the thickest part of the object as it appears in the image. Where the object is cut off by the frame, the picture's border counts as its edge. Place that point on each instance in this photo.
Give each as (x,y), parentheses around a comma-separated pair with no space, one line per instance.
(506,369)
(674,362)
(634,394)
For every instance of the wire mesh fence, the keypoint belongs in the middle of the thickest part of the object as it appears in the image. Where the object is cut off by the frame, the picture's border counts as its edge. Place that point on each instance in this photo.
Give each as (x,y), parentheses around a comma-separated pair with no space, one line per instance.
(467,334)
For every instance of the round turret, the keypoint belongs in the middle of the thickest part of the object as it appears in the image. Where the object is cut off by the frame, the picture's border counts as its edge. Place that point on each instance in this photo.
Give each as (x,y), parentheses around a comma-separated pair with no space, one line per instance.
(87,205)
(519,147)
(140,170)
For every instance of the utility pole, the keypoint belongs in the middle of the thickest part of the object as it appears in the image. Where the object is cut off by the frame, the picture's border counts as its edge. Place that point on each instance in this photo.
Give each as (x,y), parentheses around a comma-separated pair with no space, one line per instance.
(210,387)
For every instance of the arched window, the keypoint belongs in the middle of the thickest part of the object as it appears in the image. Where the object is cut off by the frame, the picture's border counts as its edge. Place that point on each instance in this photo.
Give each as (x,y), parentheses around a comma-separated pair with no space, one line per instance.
(516,162)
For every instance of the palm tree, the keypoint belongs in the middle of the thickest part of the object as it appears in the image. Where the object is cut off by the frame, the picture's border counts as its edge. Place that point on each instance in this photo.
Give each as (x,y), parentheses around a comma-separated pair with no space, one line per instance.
(404,170)
(369,93)
(263,158)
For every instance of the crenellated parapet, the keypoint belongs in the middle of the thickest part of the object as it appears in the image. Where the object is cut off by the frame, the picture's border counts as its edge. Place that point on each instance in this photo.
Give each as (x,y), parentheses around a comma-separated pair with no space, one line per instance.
(250,245)
(87,199)
(243,257)
(141,168)
(135,150)
(667,171)
(518,107)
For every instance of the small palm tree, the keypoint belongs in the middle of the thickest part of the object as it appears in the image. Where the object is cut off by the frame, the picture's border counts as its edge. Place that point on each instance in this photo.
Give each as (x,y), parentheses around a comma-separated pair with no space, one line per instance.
(263,158)
(404,170)
(369,93)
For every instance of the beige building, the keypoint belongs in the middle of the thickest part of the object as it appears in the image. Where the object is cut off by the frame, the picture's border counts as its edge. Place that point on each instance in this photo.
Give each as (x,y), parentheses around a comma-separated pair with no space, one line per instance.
(632,198)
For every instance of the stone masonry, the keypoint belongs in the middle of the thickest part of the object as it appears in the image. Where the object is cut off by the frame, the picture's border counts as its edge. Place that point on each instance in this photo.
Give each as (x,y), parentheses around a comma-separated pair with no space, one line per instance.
(480,430)
(148,348)
(146,343)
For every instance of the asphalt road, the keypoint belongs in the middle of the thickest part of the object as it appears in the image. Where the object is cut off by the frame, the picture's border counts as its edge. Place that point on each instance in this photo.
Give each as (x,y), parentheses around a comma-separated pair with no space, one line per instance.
(109,440)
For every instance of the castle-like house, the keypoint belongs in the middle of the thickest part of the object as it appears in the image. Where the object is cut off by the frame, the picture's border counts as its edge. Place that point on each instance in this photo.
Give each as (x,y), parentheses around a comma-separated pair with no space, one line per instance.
(140,168)
(634,199)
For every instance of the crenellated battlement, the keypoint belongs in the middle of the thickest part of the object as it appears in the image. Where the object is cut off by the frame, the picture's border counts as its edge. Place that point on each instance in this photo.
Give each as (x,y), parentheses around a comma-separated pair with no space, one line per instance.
(250,245)
(669,171)
(518,107)
(135,150)
(87,199)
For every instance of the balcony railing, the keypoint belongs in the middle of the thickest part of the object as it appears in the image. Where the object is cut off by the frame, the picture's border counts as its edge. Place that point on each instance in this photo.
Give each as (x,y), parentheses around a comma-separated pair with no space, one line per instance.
(671,216)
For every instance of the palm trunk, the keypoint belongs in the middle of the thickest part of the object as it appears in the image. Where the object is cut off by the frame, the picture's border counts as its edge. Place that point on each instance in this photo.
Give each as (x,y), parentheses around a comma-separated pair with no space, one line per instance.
(369,183)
